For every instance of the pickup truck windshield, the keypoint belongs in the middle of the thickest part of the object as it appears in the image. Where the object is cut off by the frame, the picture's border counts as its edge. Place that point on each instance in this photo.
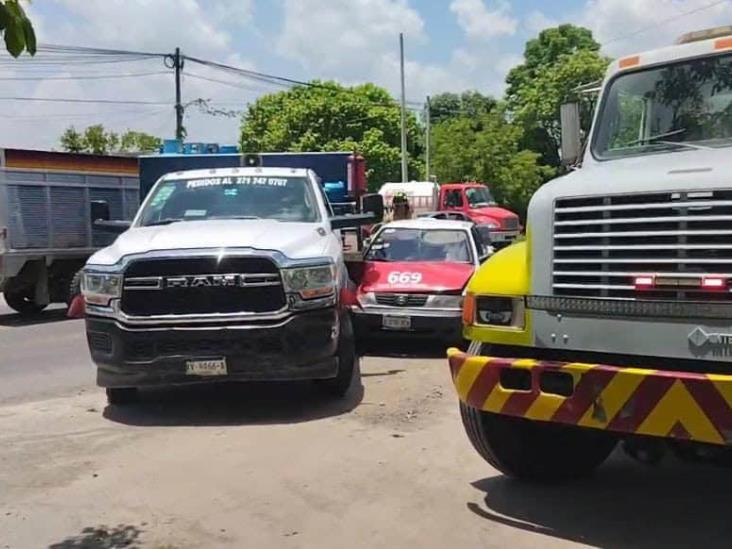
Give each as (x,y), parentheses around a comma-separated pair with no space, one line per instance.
(686,105)
(235,197)
(392,244)
(479,196)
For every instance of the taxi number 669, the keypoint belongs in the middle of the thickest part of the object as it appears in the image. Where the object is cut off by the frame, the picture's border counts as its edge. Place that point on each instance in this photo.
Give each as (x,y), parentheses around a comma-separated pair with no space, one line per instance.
(397,277)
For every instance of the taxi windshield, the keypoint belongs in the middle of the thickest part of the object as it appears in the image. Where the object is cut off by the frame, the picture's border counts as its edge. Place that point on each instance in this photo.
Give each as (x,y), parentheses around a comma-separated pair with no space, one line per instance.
(401,244)
(235,197)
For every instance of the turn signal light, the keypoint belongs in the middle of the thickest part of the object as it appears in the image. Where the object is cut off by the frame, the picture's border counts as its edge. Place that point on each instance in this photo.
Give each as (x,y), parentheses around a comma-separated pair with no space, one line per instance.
(469,310)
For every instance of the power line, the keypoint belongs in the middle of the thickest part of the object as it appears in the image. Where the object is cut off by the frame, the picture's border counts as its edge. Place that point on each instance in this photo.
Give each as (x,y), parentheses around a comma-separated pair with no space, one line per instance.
(85,77)
(79,100)
(664,21)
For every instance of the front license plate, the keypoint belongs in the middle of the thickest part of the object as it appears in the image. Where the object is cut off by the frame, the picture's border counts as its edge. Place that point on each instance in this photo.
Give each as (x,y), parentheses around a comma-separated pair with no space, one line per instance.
(212,367)
(396,322)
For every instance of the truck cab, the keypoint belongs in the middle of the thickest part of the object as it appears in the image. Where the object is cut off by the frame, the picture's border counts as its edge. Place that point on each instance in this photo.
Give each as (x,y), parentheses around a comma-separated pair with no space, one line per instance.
(613,320)
(475,200)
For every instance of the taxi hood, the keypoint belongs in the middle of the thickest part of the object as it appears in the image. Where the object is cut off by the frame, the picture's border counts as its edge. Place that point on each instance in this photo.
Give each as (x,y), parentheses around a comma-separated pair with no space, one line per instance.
(417,277)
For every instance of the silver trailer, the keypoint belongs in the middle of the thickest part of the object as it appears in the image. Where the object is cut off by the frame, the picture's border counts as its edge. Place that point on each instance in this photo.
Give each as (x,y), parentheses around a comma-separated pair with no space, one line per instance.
(46,218)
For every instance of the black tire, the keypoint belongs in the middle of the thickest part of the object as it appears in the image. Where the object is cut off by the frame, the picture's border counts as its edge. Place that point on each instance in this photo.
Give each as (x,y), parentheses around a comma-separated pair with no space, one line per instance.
(348,362)
(74,288)
(22,301)
(535,451)
(121,396)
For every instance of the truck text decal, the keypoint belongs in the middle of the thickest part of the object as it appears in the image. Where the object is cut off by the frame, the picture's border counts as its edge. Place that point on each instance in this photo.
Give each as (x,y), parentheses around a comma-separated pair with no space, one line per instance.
(240,180)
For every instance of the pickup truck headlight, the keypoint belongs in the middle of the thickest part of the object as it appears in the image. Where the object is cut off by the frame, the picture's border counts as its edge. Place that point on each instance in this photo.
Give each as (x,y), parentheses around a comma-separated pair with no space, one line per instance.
(310,282)
(101,288)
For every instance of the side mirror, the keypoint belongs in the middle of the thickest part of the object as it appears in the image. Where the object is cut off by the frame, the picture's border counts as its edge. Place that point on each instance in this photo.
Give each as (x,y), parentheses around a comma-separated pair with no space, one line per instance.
(571,135)
(373,204)
(99,210)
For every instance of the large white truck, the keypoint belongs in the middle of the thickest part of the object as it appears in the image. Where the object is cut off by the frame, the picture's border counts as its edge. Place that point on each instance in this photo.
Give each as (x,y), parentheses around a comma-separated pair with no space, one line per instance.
(225,274)
(613,320)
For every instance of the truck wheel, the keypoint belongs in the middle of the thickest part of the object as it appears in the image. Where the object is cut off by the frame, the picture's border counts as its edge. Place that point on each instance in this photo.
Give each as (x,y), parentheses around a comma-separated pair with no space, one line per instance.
(121,396)
(535,451)
(74,288)
(347,362)
(22,301)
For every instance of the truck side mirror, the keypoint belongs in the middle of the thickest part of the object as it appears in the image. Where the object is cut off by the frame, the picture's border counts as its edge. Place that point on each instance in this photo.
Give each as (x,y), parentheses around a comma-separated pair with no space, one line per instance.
(99,210)
(373,203)
(571,135)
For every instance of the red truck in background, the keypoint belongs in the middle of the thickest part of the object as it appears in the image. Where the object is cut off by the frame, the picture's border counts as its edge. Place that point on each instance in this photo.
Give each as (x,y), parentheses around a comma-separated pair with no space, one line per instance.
(471,201)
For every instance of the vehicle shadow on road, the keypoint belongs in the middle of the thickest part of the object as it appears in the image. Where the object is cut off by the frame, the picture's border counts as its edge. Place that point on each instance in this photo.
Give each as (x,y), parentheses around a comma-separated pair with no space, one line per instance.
(15,320)
(102,537)
(234,404)
(405,348)
(625,504)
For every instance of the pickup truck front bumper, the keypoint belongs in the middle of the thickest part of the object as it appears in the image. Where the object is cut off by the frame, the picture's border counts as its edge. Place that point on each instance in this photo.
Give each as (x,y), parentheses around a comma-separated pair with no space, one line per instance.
(303,346)
(670,404)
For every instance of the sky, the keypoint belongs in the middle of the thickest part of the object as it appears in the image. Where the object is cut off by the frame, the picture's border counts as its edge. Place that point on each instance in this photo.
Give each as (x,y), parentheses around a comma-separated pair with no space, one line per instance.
(450,45)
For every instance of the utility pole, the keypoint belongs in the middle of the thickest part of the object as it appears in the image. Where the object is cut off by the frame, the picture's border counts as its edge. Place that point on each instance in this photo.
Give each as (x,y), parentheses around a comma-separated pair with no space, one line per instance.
(178,65)
(405,174)
(427,140)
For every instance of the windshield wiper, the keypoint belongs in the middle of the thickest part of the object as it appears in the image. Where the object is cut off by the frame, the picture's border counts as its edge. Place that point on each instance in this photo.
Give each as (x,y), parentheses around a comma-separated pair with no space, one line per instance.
(685,144)
(654,138)
(166,221)
(234,217)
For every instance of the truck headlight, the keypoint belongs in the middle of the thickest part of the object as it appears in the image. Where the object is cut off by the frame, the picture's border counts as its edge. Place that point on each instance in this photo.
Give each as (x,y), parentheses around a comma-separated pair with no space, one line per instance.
(506,312)
(101,288)
(310,282)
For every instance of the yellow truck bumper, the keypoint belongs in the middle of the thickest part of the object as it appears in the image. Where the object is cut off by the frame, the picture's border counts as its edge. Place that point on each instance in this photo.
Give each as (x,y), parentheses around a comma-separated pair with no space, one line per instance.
(680,405)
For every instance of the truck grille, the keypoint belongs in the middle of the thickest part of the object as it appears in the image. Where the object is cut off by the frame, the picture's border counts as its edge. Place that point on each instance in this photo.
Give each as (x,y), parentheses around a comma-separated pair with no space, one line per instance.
(401,300)
(601,244)
(185,286)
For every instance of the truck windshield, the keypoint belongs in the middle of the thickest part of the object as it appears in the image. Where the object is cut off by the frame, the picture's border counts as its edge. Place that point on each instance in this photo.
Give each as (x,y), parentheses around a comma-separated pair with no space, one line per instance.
(235,197)
(686,105)
(393,244)
(479,196)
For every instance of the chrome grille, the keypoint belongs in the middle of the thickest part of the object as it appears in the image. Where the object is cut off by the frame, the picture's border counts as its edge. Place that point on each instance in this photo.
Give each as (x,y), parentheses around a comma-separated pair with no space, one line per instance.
(401,300)
(601,244)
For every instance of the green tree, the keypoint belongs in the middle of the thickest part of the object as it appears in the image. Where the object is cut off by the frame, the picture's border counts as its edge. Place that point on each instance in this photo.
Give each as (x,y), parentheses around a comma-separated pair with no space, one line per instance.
(72,141)
(326,116)
(555,63)
(97,140)
(453,105)
(16,28)
(488,149)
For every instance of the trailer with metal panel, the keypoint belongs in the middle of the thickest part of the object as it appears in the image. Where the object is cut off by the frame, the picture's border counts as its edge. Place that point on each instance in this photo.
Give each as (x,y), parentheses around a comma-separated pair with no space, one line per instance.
(48,201)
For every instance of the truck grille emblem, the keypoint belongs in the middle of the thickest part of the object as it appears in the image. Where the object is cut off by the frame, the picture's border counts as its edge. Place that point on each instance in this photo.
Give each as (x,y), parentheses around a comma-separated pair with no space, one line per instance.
(233,280)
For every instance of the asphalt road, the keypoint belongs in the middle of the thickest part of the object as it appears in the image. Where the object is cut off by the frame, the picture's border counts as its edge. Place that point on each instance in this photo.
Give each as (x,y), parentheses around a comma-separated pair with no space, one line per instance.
(42,356)
(276,465)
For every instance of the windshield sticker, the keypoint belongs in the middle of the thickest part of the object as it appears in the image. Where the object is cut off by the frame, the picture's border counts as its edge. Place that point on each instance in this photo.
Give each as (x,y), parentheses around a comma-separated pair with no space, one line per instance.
(162,195)
(195,213)
(242,180)
(389,231)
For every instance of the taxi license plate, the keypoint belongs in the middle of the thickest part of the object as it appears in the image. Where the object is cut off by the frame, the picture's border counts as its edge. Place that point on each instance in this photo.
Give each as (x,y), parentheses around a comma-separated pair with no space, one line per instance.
(396,322)
(211,367)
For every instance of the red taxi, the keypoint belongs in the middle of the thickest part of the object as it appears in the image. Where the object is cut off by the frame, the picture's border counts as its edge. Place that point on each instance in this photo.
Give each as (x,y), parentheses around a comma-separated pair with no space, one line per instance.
(413,277)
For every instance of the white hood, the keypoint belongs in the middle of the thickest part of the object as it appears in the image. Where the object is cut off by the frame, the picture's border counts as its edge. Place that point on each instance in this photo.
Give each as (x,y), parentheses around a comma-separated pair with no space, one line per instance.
(294,240)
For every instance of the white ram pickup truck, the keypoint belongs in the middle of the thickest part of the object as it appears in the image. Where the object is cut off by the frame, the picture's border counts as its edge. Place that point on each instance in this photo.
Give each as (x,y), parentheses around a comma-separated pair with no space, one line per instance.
(224,274)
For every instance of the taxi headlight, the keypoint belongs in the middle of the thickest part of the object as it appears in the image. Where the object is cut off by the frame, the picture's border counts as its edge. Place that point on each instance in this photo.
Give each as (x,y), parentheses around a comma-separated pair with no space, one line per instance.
(507,312)
(310,282)
(446,301)
(101,288)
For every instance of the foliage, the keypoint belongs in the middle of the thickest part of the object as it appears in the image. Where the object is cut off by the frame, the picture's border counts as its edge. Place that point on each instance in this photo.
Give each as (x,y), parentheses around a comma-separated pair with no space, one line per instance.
(16,28)
(555,63)
(325,116)
(96,140)
(487,149)
(452,105)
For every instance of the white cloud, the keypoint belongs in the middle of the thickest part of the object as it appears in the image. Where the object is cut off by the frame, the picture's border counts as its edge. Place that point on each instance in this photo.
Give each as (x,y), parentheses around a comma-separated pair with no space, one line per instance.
(537,21)
(627,26)
(482,23)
